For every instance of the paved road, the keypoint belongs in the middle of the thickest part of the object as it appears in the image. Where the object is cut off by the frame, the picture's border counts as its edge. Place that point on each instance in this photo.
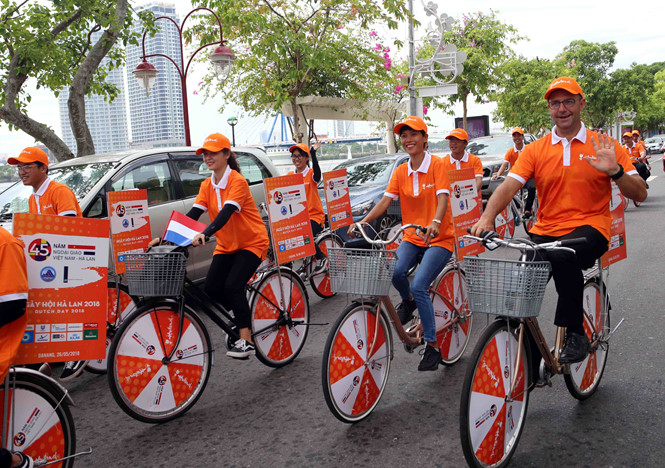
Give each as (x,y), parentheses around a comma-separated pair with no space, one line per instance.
(251,415)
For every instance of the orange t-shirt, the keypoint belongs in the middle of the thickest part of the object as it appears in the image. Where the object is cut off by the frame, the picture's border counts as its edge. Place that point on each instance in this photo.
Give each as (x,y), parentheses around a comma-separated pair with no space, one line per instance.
(511,156)
(642,147)
(571,193)
(245,229)
(13,287)
(417,192)
(313,200)
(633,152)
(468,160)
(54,198)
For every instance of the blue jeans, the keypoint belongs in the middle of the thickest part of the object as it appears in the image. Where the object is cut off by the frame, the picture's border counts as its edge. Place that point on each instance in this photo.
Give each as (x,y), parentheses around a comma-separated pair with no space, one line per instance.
(433,262)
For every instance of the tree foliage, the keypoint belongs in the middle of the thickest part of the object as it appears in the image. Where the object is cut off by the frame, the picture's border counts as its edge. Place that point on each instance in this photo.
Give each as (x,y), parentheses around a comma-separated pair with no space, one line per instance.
(51,42)
(486,41)
(291,48)
(520,100)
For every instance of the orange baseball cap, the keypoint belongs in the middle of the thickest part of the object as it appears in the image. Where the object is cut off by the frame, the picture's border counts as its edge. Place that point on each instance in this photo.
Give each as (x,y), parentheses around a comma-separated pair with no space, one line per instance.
(30,155)
(215,143)
(301,146)
(628,134)
(567,84)
(413,122)
(517,130)
(458,133)
(636,132)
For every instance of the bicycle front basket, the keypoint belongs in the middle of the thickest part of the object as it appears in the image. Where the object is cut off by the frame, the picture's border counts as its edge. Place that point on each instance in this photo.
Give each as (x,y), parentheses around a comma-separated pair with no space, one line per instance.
(368,272)
(153,274)
(505,287)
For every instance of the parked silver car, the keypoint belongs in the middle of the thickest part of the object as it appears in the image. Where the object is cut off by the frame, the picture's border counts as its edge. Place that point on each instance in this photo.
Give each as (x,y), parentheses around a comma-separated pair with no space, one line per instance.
(171,176)
(654,144)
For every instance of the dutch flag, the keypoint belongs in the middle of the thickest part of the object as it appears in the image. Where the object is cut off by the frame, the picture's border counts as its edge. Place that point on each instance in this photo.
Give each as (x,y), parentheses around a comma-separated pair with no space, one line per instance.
(181,229)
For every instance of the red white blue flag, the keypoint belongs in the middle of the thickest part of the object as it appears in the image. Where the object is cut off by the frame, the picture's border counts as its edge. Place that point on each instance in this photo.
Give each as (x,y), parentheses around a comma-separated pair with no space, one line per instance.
(181,229)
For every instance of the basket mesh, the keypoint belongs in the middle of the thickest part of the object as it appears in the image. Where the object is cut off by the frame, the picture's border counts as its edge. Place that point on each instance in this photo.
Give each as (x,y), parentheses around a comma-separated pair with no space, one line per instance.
(361,271)
(505,287)
(154,274)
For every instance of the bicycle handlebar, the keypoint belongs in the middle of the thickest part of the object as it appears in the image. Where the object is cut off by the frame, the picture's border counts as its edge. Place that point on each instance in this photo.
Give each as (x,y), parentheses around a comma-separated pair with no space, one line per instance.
(488,238)
(358,227)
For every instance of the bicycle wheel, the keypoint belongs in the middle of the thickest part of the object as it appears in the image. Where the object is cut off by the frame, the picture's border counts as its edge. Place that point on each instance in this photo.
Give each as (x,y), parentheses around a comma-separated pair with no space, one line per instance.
(144,386)
(321,282)
(584,377)
(504,224)
(116,313)
(278,345)
(490,426)
(43,428)
(353,381)
(452,338)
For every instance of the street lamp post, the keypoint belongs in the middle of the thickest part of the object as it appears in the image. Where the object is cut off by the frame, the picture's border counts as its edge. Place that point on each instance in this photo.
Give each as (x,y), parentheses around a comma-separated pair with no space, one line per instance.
(233,121)
(222,59)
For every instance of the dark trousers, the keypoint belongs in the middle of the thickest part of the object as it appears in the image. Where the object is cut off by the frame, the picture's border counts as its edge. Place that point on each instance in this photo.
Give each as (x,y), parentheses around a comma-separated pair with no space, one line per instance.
(567,272)
(316,229)
(226,281)
(642,169)
(530,187)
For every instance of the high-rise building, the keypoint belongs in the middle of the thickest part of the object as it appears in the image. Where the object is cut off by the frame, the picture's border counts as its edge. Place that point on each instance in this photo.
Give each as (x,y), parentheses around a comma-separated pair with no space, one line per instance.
(107,122)
(157,119)
(343,128)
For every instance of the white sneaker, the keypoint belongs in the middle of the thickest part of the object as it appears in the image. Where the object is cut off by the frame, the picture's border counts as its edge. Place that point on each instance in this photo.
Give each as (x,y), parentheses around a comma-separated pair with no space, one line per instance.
(320,265)
(241,350)
(72,369)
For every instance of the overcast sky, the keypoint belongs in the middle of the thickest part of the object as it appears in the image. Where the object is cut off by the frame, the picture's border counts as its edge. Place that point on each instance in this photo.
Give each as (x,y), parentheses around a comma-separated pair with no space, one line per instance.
(639,34)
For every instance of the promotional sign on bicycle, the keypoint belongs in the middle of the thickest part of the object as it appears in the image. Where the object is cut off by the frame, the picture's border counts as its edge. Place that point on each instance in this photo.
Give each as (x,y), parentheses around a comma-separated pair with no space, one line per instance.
(465,203)
(130,224)
(617,248)
(338,201)
(67,260)
(289,217)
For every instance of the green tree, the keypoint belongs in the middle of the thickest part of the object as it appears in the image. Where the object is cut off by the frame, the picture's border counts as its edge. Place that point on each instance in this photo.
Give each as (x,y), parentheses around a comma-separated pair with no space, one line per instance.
(589,63)
(486,41)
(651,109)
(51,43)
(291,48)
(519,98)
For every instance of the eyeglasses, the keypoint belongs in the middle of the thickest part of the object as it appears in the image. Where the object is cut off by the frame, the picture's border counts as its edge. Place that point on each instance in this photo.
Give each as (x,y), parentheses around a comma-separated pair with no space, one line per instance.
(25,168)
(297,156)
(567,103)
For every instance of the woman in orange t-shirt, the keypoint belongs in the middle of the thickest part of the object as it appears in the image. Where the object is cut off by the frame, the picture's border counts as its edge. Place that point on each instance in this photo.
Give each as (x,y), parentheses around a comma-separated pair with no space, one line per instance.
(300,156)
(423,188)
(242,239)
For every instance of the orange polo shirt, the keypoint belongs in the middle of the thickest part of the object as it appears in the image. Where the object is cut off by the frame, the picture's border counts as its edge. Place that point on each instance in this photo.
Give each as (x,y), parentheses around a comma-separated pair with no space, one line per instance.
(54,198)
(468,160)
(417,191)
(633,152)
(642,147)
(571,193)
(313,200)
(511,156)
(13,287)
(245,229)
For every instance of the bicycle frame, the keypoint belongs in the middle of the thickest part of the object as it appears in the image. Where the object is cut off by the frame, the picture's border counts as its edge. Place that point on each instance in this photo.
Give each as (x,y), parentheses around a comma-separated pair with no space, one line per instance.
(551,358)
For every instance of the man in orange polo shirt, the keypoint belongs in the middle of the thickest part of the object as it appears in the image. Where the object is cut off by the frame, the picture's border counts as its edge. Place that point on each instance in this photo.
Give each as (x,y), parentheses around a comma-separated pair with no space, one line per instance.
(636,156)
(459,158)
(573,168)
(13,298)
(510,159)
(48,197)
(642,150)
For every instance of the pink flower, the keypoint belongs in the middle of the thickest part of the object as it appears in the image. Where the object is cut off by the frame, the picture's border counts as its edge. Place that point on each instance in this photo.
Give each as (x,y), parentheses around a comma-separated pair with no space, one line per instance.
(387,49)
(398,88)
(378,47)
(399,75)
(345,68)
(425,110)
(340,26)
(386,65)
(373,34)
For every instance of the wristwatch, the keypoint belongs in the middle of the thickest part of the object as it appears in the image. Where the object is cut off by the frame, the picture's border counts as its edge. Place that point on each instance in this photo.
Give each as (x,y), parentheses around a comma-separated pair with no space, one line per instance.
(619,174)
